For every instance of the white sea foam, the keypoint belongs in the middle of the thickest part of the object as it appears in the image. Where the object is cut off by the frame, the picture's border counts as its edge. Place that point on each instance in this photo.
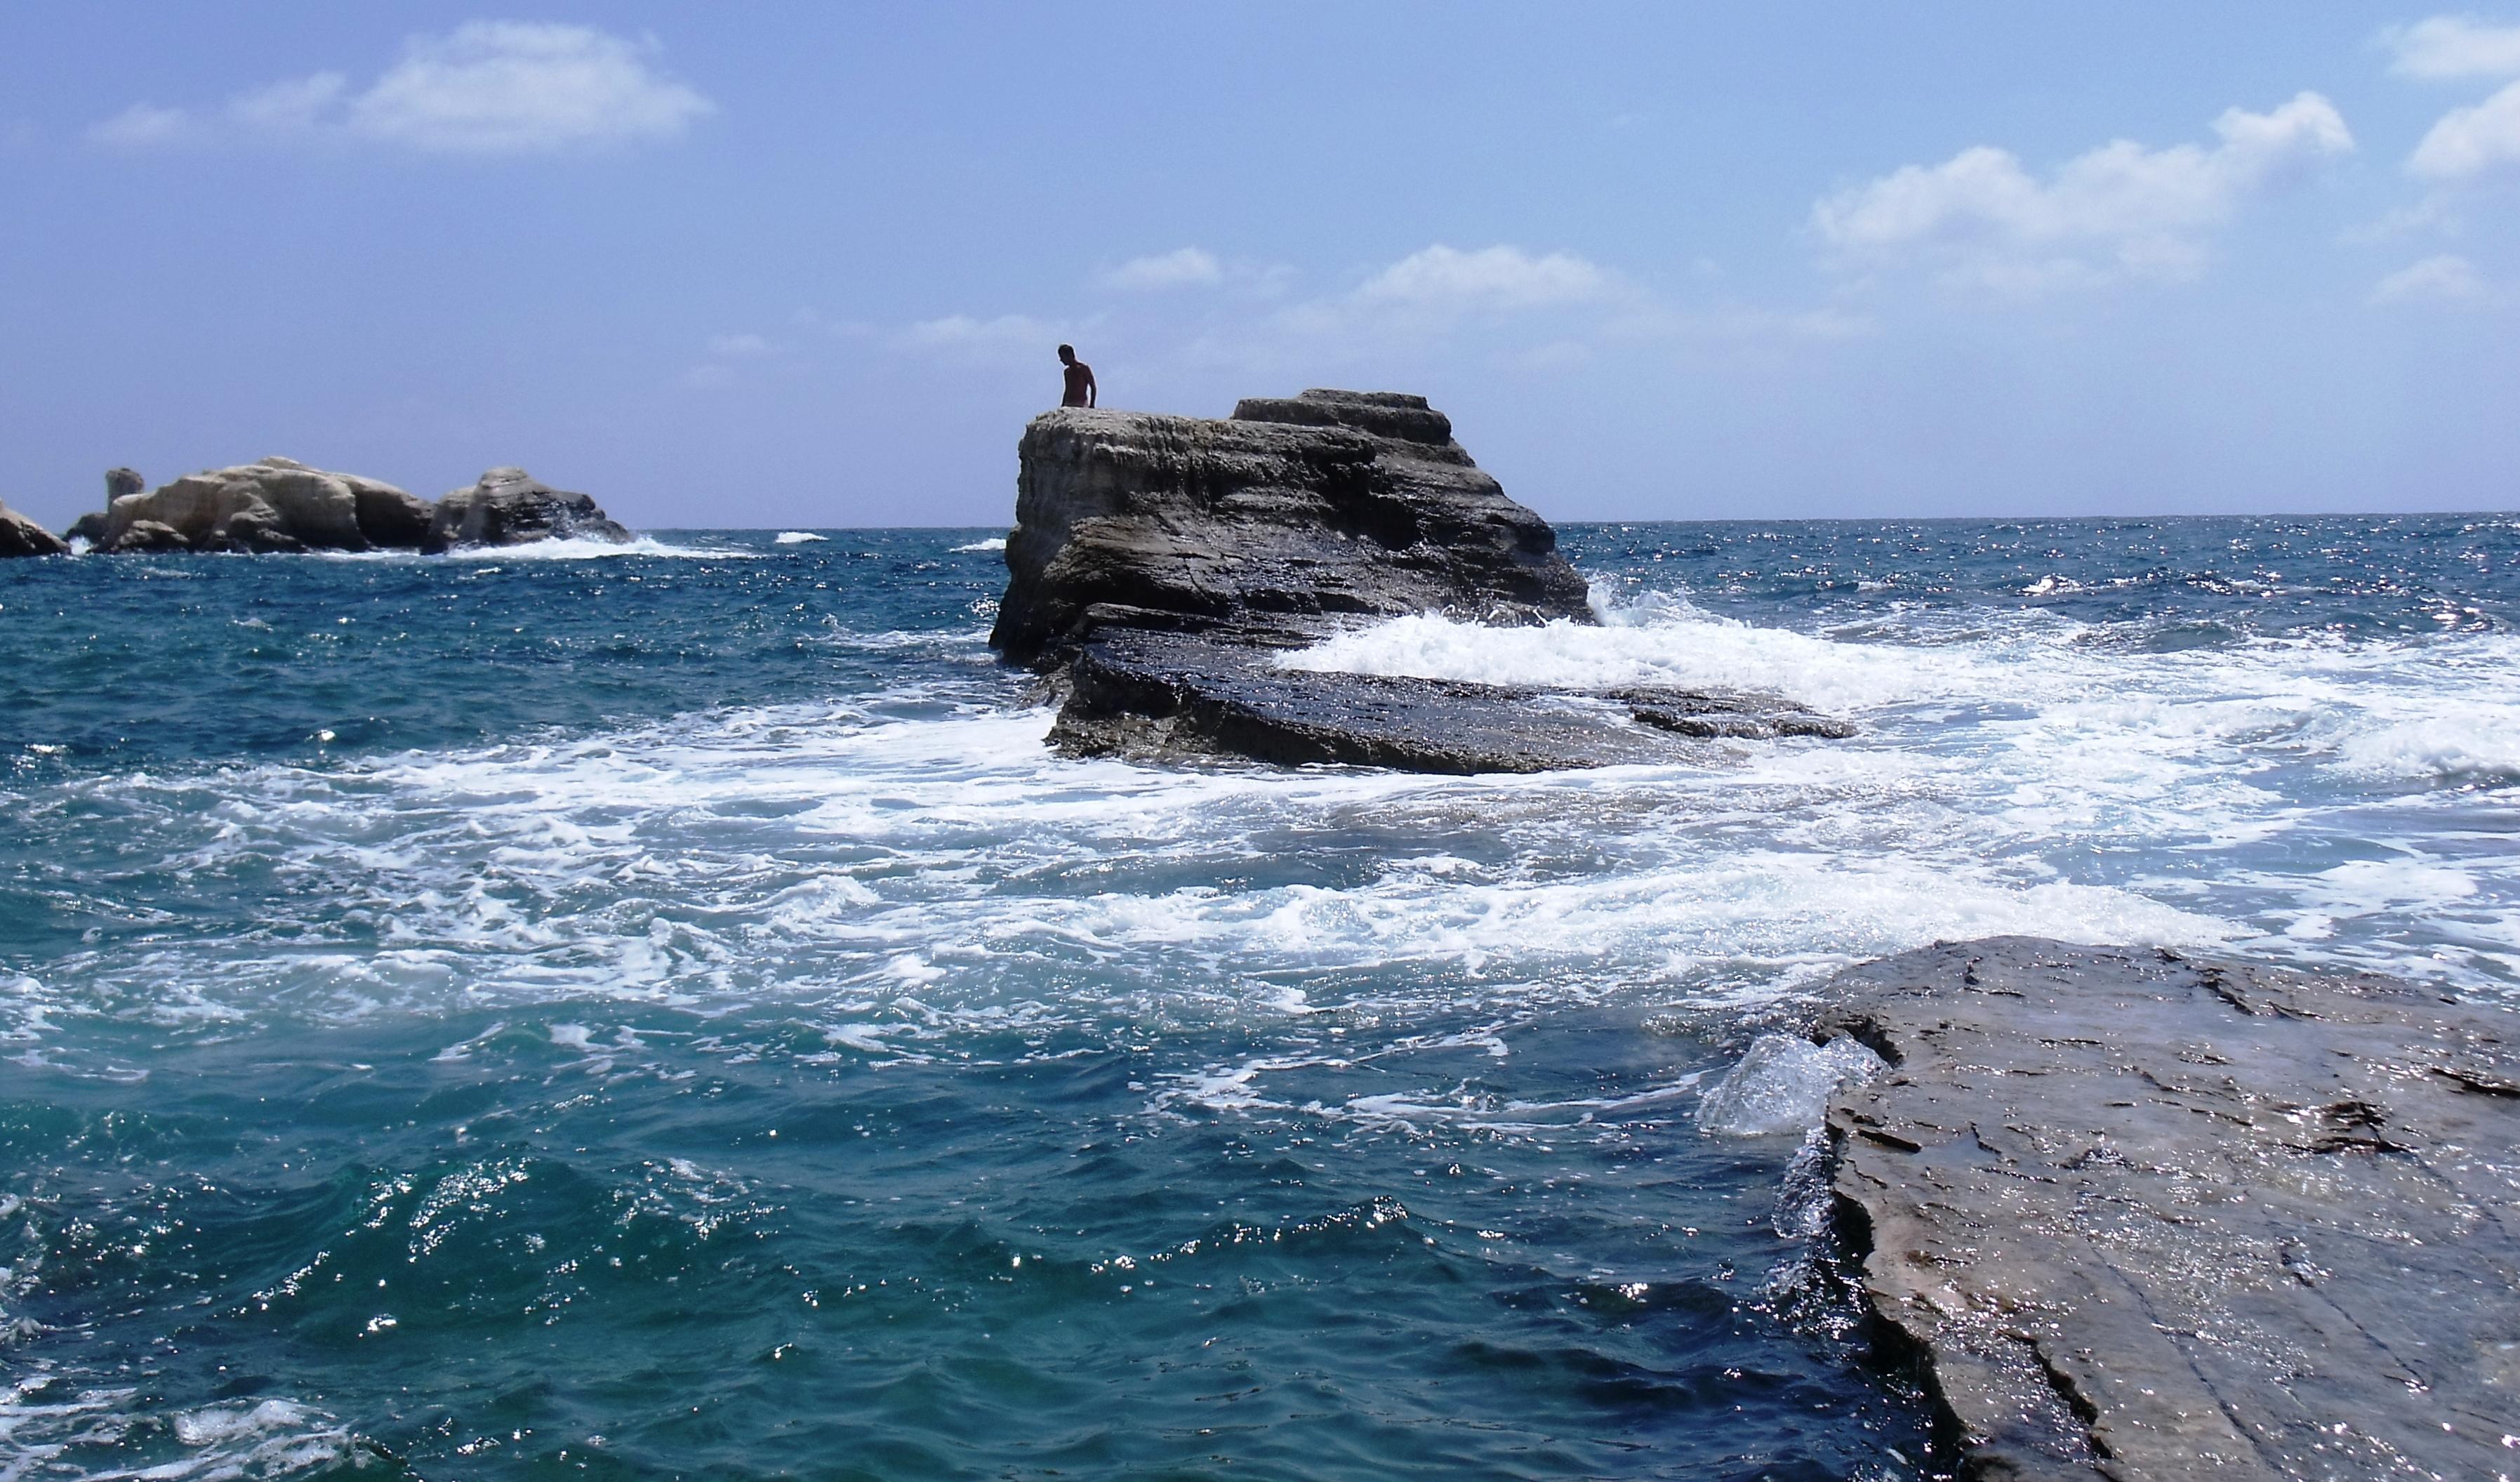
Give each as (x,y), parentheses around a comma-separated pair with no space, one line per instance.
(797,538)
(916,867)
(44,1415)
(596,549)
(993,542)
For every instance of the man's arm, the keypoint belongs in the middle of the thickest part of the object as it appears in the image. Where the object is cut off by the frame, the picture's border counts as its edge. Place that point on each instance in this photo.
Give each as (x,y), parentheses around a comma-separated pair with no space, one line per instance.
(1090,390)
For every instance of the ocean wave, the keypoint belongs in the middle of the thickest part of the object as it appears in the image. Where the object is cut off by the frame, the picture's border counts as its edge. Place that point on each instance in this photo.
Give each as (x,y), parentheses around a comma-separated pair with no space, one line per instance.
(797,538)
(919,846)
(993,542)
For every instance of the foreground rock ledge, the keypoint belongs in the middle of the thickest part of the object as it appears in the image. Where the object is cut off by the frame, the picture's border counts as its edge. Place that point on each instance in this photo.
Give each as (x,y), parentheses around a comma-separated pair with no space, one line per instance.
(2155,1217)
(1160,565)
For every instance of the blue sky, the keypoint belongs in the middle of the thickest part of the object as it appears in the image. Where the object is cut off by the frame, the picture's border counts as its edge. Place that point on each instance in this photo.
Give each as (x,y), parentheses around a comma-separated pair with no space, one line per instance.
(798,265)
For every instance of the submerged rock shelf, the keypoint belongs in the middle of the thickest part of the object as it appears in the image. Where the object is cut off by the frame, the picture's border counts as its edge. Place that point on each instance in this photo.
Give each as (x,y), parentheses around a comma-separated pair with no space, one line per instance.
(2151,1218)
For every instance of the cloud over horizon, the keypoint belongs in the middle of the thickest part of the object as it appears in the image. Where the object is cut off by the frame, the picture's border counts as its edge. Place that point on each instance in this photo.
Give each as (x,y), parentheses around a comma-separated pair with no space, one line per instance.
(488,87)
(2471,141)
(1183,267)
(2444,277)
(1493,278)
(2454,46)
(2117,211)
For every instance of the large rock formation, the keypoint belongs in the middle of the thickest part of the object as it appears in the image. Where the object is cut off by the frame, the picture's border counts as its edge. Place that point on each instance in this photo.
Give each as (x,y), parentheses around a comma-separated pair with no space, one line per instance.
(508,507)
(2155,1217)
(279,504)
(1332,502)
(1159,565)
(21,536)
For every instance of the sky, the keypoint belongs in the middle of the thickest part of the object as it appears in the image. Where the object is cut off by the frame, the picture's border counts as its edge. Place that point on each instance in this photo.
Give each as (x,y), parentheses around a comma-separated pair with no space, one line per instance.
(806,265)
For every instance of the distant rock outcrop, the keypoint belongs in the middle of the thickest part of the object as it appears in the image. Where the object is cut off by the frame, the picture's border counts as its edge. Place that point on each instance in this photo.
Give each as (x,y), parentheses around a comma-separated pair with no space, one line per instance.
(508,507)
(21,536)
(279,504)
(274,504)
(1159,565)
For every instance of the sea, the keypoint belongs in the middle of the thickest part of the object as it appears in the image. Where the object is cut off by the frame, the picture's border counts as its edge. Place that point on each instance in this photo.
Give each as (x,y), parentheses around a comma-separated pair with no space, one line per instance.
(661,1011)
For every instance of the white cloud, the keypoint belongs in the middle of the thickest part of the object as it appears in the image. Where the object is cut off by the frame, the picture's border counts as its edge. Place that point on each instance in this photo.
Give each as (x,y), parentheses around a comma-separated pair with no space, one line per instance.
(1440,277)
(2120,211)
(1009,341)
(2470,141)
(2454,46)
(2444,279)
(145,126)
(490,87)
(958,329)
(1183,267)
(739,346)
(507,86)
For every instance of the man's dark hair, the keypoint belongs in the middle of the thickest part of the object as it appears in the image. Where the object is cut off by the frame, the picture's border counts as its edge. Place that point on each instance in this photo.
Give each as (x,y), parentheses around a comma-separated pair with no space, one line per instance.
(1067,349)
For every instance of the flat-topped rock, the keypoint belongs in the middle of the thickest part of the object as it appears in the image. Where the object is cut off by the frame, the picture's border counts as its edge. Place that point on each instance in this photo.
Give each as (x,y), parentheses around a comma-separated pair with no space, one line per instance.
(1305,506)
(2157,1218)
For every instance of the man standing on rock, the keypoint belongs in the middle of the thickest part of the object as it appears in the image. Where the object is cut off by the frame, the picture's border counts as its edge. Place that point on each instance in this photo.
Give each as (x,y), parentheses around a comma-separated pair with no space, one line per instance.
(1080,378)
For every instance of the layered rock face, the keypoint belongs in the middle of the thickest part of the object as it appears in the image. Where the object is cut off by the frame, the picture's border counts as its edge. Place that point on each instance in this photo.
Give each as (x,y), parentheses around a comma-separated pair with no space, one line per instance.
(2154,1218)
(279,504)
(21,536)
(1159,565)
(1328,503)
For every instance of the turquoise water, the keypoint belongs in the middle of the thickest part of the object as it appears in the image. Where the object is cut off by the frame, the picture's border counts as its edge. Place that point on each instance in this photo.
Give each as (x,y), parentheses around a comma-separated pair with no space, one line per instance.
(665,1014)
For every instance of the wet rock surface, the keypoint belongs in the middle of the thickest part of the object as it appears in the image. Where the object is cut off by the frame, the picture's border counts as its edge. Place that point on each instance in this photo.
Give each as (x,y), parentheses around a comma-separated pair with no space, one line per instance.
(2149,1217)
(1152,696)
(1160,565)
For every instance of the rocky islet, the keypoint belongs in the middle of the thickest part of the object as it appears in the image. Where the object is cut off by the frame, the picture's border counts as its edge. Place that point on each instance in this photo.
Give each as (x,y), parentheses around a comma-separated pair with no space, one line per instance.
(280,506)
(1162,566)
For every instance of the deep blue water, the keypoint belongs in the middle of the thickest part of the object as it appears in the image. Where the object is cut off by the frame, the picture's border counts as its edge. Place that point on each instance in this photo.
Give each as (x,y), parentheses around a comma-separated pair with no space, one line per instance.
(665,1014)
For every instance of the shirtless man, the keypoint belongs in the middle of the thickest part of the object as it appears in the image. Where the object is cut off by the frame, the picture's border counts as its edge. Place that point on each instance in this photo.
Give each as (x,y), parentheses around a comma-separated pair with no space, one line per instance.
(1080,378)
